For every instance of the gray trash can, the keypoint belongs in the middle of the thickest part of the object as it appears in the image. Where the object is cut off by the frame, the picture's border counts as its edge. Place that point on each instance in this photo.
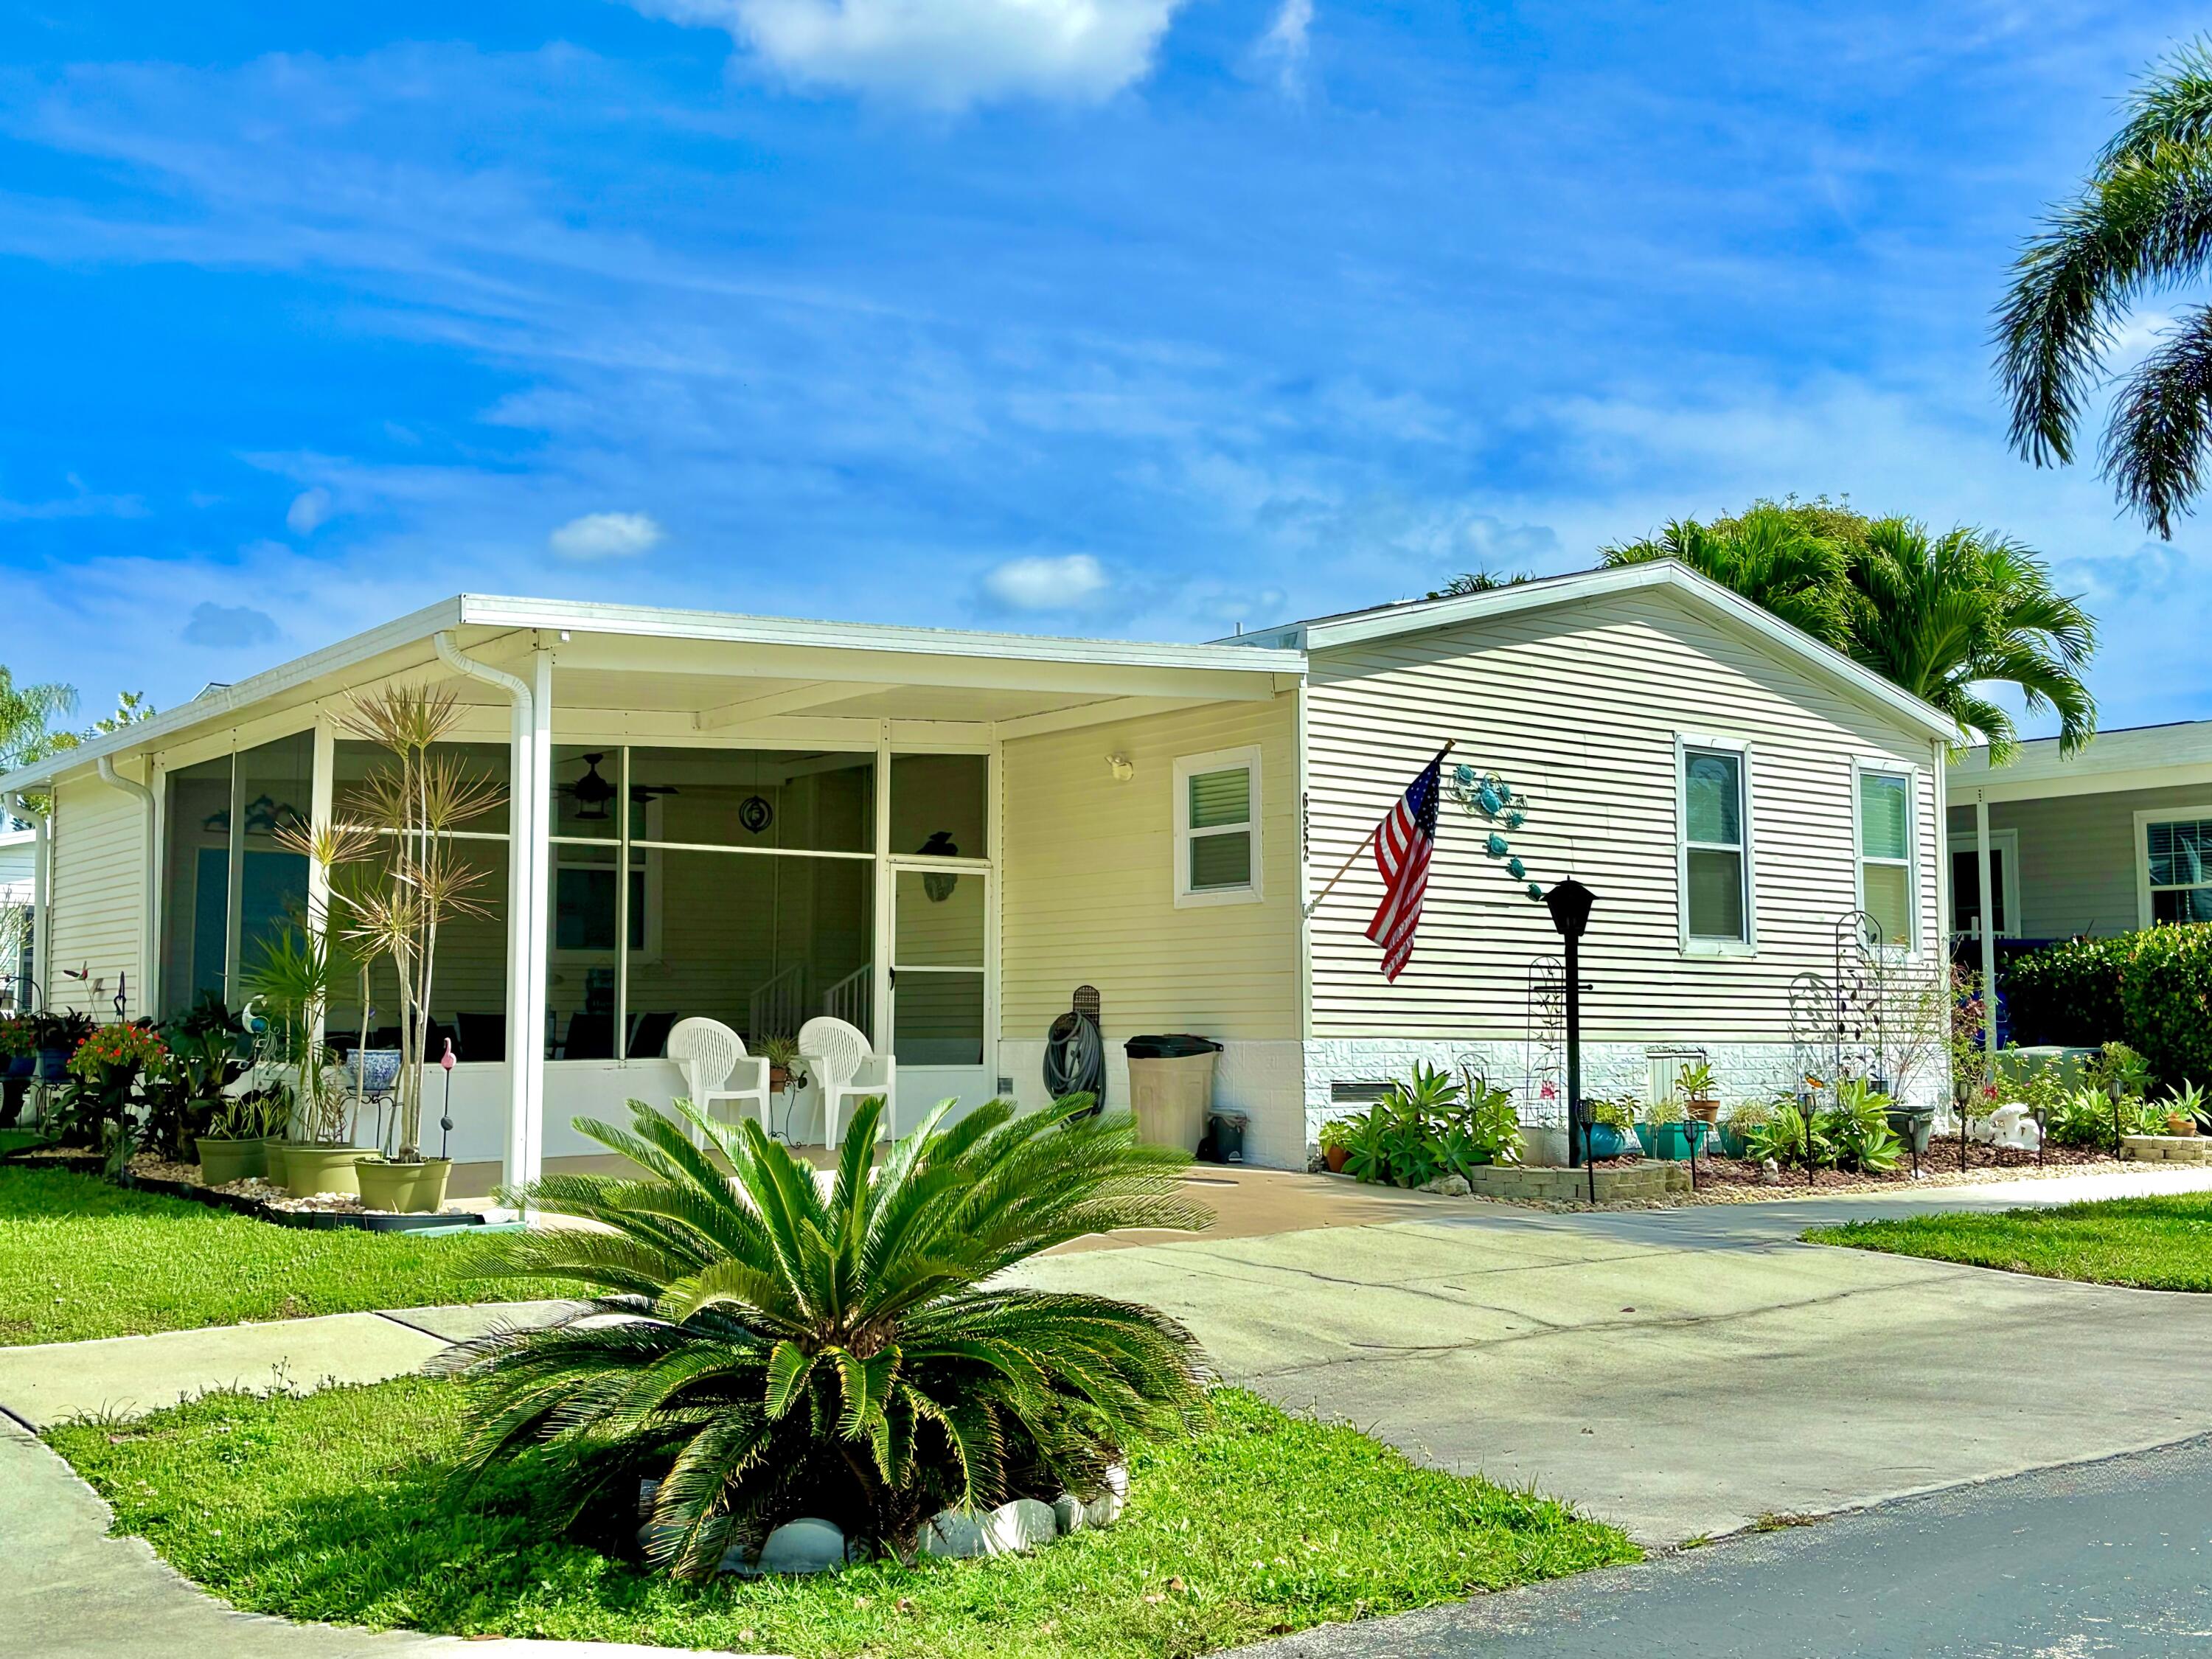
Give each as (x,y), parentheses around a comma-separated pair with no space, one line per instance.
(1172,1087)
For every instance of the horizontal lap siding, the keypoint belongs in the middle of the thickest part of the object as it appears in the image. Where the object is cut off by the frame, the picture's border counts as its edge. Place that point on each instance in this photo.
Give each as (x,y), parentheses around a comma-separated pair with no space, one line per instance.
(1088,869)
(99,895)
(2079,855)
(1579,706)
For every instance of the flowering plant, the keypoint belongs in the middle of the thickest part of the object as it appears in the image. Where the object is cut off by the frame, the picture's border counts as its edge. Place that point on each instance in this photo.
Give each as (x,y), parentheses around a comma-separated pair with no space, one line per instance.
(17,1036)
(118,1048)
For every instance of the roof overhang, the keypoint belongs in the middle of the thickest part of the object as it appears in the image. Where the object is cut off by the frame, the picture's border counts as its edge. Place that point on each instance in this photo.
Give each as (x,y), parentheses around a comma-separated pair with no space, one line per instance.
(2178,754)
(1739,614)
(723,671)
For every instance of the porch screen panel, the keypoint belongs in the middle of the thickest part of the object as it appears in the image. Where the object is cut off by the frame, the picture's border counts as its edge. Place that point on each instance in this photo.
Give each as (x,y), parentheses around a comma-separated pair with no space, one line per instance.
(938,943)
(757,799)
(275,790)
(940,805)
(2179,854)
(195,883)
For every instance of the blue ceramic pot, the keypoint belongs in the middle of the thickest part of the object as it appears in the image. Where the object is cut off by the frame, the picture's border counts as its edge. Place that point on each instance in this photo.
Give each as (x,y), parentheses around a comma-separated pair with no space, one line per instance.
(53,1065)
(1605,1141)
(21,1064)
(378,1069)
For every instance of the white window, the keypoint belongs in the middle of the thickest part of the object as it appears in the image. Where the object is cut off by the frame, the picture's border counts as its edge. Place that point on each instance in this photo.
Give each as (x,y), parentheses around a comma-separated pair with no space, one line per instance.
(2173,874)
(1217,806)
(1714,871)
(2004,884)
(1885,860)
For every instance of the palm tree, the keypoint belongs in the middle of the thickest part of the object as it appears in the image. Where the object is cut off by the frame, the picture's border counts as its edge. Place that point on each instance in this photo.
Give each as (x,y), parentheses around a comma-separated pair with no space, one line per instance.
(783,1353)
(27,716)
(2140,223)
(1942,616)
(1787,559)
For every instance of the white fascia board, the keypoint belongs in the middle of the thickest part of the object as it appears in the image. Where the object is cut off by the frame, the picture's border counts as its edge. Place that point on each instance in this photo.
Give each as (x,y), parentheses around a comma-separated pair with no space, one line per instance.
(1787,642)
(2182,747)
(233,701)
(722,627)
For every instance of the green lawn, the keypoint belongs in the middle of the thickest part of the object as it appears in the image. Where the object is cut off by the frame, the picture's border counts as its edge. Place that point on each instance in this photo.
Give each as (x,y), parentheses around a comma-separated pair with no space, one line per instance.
(14,1140)
(329,1507)
(2162,1243)
(81,1258)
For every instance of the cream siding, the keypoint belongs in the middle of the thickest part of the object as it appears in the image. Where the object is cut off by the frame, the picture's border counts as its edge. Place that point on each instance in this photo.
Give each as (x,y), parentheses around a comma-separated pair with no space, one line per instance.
(1580,705)
(98,900)
(1088,872)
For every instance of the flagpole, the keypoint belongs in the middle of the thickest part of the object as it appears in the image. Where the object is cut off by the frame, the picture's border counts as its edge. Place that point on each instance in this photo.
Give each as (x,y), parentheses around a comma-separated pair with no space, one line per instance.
(1367,840)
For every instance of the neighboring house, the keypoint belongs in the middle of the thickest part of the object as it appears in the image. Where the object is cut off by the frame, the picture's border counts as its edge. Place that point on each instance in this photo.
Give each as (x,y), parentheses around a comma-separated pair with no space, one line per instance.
(941,835)
(2115,837)
(19,862)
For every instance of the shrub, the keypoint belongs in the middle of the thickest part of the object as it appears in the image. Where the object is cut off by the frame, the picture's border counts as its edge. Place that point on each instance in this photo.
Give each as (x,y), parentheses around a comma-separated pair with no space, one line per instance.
(2067,994)
(786,1353)
(2165,993)
(1433,1125)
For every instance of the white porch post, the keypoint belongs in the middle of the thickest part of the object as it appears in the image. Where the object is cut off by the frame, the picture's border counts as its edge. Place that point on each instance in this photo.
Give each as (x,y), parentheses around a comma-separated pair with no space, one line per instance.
(529,935)
(1986,912)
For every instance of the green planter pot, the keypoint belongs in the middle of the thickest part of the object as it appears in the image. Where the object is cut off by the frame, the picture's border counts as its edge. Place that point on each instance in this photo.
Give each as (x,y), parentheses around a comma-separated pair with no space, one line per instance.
(222,1161)
(1668,1142)
(404,1189)
(311,1170)
(273,1148)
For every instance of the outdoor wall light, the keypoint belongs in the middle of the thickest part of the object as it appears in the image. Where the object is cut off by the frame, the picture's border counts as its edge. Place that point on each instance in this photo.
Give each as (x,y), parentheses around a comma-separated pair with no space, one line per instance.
(1121,767)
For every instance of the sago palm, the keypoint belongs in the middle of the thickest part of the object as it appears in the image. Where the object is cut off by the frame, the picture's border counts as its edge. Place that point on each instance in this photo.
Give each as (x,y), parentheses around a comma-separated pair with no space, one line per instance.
(2142,222)
(1946,616)
(782,1352)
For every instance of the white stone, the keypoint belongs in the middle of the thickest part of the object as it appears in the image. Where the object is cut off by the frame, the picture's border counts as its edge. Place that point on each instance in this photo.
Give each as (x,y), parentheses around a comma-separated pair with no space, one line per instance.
(1021,1526)
(1446,1186)
(1068,1511)
(955,1533)
(806,1544)
(1105,1510)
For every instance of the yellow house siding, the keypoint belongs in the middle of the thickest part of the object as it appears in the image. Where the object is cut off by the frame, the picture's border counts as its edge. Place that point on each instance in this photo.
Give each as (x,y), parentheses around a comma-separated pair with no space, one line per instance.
(98,899)
(1088,869)
(1580,705)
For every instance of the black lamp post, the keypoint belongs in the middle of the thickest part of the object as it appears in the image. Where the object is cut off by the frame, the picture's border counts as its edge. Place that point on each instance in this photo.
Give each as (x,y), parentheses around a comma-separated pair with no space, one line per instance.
(1570,903)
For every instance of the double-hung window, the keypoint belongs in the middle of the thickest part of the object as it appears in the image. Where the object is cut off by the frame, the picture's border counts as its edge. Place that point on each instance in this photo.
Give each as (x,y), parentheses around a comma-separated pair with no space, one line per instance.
(1716,848)
(1217,804)
(1886,861)
(2177,864)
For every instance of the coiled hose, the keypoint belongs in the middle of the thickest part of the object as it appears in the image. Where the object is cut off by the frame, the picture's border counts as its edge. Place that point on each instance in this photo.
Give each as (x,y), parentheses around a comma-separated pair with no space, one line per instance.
(1075,1058)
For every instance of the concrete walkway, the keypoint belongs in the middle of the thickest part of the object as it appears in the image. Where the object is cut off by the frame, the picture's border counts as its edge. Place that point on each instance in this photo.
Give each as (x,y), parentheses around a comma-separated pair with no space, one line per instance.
(1685,1372)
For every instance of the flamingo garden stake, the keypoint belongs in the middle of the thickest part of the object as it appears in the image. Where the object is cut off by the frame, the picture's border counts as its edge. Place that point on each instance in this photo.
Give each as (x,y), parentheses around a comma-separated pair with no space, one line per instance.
(446,1122)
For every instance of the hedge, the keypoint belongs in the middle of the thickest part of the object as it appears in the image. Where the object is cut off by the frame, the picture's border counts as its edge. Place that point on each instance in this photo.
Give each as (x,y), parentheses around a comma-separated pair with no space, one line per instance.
(2151,990)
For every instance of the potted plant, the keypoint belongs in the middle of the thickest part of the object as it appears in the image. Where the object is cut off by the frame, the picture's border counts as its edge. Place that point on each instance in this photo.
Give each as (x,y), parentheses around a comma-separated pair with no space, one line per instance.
(57,1036)
(1695,1085)
(396,877)
(108,1064)
(1746,1119)
(2183,1107)
(235,1145)
(1612,1124)
(1336,1143)
(784,1070)
(1659,1130)
(19,1047)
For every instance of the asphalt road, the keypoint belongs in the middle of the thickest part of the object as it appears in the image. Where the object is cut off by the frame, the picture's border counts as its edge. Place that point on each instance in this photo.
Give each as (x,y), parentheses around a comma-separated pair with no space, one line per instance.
(2106,1561)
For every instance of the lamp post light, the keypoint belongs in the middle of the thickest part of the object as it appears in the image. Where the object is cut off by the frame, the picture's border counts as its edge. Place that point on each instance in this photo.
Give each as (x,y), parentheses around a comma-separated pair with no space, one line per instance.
(1570,903)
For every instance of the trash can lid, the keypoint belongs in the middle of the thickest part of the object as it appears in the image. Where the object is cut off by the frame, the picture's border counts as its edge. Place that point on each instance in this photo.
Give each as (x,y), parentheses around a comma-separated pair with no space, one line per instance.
(1228,1115)
(1177,1046)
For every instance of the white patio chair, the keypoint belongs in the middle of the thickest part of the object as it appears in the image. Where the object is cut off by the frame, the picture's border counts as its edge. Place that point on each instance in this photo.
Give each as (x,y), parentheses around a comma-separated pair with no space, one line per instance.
(843,1067)
(716,1067)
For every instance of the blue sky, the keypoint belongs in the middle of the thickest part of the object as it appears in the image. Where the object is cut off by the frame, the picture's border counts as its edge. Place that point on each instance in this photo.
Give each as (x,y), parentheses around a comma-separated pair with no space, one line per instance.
(1126,317)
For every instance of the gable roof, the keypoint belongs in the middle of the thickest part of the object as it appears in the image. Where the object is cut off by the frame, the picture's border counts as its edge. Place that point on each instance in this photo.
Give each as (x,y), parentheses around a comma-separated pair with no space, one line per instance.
(1778,637)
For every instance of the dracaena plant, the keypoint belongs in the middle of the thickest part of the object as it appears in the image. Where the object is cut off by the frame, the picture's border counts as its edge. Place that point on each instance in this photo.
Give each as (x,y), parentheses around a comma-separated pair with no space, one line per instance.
(395,874)
(851,1355)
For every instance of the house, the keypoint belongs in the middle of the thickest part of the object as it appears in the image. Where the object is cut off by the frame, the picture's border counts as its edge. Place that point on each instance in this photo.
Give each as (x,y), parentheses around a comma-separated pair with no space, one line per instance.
(18,889)
(2113,838)
(941,835)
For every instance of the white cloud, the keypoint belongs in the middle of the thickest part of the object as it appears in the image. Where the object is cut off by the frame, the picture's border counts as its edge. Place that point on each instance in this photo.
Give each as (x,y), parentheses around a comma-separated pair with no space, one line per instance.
(946,54)
(1283,48)
(605,536)
(1037,583)
(310,510)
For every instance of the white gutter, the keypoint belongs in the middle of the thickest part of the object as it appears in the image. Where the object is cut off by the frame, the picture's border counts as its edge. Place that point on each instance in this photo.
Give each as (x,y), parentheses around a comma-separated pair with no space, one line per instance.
(525,945)
(147,936)
(21,807)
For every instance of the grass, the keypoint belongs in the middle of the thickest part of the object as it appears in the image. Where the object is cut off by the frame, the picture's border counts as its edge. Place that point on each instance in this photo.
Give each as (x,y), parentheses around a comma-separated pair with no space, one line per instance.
(329,1507)
(14,1140)
(82,1258)
(2162,1243)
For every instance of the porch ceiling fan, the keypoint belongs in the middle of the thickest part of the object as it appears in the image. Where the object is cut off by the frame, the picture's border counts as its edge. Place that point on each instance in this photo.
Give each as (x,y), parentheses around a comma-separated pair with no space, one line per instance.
(592,793)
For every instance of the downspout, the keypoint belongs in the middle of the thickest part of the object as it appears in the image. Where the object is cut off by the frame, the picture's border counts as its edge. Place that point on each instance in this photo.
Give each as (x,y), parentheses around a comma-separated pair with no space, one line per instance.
(21,807)
(147,936)
(526,1043)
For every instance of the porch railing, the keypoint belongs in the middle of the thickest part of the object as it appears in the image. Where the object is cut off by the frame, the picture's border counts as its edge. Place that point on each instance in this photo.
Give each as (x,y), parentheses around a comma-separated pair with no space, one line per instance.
(775,1008)
(847,999)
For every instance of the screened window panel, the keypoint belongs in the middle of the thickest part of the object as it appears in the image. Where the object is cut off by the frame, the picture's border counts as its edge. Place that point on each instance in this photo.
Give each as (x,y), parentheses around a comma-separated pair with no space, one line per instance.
(485,764)
(939,921)
(937,1019)
(2178,852)
(1889,901)
(1221,860)
(782,799)
(1712,787)
(1218,799)
(941,805)
(1885,816)
(1716,894)
(195,883)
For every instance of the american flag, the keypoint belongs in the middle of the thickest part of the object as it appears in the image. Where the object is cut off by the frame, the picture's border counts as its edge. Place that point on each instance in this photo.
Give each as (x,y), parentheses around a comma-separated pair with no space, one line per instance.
(1403,842)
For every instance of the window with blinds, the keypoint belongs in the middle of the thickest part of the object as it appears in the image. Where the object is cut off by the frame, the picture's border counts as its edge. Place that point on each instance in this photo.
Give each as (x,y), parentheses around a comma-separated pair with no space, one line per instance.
(1716,865)
(1218,827)
(2178,852)
(1886,854)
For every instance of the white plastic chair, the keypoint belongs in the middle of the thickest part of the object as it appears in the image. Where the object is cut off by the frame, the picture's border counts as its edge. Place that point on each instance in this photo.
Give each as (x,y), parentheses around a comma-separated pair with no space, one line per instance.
(844,1068)
(716,1067)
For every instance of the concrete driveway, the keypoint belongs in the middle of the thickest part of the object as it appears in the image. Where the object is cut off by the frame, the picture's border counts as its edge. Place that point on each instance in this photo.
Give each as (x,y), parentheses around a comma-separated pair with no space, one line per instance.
(1682,1373)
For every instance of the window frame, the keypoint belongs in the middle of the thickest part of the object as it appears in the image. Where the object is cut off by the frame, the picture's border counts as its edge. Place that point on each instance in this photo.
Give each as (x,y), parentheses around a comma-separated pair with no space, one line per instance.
(1685,744)
(1876,766)
(1187,766)
(2144,819)
(2005,847)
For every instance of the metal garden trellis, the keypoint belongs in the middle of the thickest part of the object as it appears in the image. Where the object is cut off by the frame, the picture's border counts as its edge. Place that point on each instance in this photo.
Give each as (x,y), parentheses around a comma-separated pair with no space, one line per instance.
(1838,1026)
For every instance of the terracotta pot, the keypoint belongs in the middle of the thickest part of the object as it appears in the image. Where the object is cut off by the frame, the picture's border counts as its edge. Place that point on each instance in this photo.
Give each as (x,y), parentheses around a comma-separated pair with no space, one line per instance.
(309,1170)
(222,1161)
(2180,1123)
(1335,1157)
(1705,1111)
(779,1078)
(404,1188)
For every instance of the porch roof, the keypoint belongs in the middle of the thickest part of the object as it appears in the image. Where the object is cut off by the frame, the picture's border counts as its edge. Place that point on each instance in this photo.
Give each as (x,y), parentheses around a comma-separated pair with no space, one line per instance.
(2130,757)
(726,670)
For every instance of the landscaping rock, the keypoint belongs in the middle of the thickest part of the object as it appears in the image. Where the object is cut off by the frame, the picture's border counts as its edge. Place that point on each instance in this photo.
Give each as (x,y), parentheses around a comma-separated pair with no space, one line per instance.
(958,1534)
(1105,1510)
(1446,1186)
(806,1544)
(1009,1529)
(1068,1511)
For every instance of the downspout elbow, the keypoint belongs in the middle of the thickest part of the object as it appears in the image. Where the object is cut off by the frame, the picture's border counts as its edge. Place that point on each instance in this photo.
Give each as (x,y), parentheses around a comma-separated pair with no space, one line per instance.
(451,655)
